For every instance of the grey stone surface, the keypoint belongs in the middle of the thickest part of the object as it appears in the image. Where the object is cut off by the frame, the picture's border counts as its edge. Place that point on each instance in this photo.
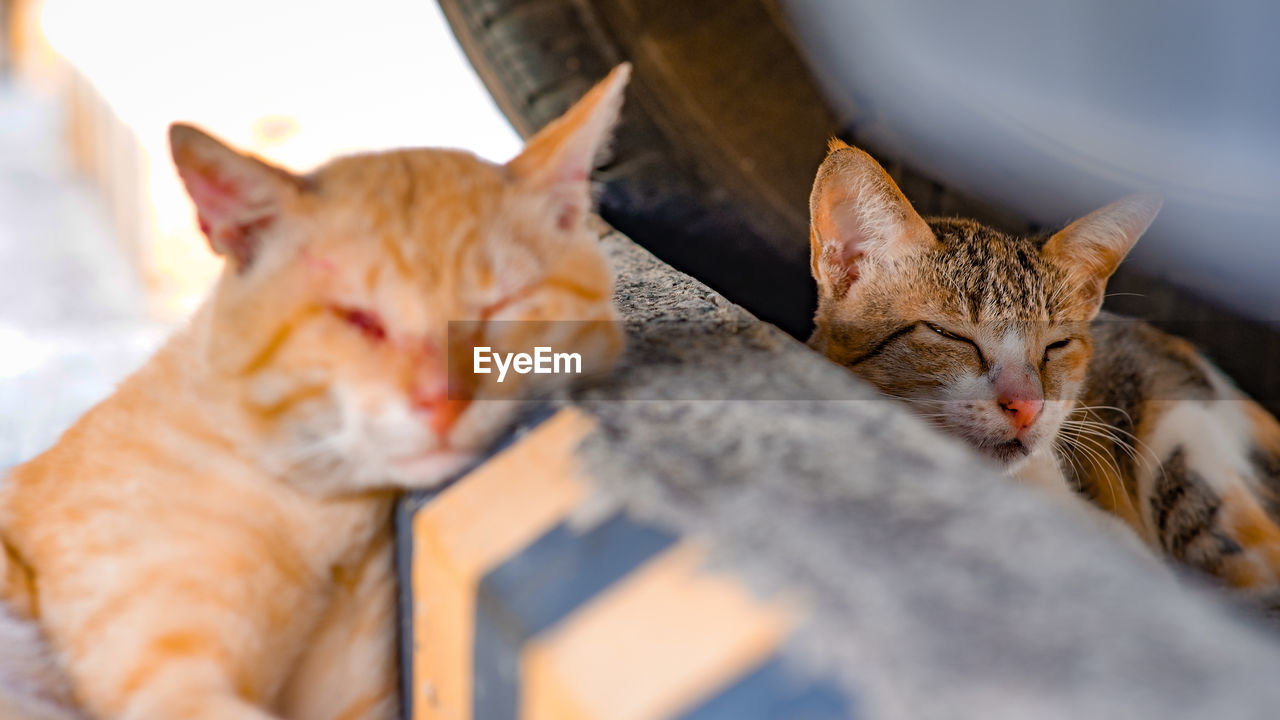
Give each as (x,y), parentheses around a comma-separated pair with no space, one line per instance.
(934,586)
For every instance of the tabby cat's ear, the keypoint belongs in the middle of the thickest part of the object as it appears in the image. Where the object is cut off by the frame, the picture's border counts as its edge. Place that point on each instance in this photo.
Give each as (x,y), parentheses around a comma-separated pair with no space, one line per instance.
(236,196)
(858,213)
(1091,248)
(559,159)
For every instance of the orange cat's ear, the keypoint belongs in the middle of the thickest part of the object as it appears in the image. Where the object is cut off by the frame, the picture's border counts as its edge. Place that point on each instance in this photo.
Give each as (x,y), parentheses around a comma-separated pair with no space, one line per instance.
(1091,248)
(858,213)
(236,196)
(559,159)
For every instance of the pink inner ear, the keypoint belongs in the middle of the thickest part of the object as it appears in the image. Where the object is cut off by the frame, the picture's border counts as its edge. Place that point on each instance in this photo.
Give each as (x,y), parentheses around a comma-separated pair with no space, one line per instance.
(568,216)
(223,212)
(570,198)
(849,261)
(574,173)
(842,232)
(850,252)
(217,200)
(847,228)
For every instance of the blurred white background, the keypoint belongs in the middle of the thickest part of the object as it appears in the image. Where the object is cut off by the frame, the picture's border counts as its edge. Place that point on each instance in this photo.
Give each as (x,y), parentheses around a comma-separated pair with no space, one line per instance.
(99,253)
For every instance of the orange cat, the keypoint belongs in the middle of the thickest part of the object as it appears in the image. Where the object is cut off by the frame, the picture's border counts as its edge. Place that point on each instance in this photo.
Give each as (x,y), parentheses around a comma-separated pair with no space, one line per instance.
(213,540)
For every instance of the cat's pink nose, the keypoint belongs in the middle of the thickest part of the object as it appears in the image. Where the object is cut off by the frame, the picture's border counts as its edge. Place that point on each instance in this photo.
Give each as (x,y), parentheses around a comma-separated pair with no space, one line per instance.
(443,411)
(1021,411)
(1019,395)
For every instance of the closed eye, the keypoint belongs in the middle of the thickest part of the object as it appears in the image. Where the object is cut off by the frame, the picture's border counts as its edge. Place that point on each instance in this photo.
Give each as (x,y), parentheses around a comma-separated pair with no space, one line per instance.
(1054,346)
(947,333)
(958,338)
(366,321)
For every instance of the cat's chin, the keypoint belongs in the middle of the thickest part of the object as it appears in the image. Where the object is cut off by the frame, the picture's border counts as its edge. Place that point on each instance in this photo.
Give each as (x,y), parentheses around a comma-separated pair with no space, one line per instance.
(1009,453)
(429,469)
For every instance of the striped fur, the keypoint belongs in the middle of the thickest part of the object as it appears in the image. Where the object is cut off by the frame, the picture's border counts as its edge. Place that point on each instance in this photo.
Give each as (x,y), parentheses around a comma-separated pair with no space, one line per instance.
(967,324)
(213,540)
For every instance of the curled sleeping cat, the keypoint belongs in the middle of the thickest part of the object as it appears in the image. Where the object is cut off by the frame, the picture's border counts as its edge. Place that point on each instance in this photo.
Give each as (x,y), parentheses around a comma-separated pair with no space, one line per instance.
(213,540)
(998,339)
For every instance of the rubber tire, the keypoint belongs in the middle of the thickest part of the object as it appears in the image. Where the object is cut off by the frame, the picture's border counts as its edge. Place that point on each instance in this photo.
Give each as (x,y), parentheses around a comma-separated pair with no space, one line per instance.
(702,173)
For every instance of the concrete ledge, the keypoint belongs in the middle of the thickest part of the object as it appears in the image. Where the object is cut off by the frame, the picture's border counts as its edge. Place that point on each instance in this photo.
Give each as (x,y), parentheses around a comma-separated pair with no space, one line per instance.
(910,579)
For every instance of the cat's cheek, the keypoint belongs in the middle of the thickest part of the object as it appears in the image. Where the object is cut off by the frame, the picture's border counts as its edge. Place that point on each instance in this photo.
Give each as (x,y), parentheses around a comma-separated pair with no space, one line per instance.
(272,391)
(476,428)
(1070,368)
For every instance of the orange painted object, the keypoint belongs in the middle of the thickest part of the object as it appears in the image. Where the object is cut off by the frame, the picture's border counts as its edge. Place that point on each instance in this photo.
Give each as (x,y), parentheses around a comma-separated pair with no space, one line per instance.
(523,608)
(665,637)
(471,527)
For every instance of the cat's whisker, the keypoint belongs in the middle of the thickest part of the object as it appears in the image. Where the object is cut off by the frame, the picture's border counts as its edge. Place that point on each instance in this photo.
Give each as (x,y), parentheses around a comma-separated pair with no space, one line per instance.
(1090,408)
(1134,453)
(1089,442)
(1089,413)
(1095,434)
(1110,428)
(1074,447)
(1055,446)
(1139,451)
(1077,468)
(1106,432)
(1138,445)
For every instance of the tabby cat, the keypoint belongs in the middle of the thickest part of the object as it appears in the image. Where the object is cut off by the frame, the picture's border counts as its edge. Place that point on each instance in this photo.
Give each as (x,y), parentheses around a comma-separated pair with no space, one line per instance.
(213,540)
(999,340)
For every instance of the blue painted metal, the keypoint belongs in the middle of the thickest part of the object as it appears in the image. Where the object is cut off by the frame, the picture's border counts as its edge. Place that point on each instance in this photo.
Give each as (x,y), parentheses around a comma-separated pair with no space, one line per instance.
(541,585)
(772,692)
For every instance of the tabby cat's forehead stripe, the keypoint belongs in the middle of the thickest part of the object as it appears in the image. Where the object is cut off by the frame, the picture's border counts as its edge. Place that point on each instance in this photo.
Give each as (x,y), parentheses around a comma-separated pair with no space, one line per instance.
(994,277)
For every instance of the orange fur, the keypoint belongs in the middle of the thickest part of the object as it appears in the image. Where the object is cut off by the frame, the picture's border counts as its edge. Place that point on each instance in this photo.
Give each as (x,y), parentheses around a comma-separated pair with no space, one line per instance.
(213,541)
(1258,566)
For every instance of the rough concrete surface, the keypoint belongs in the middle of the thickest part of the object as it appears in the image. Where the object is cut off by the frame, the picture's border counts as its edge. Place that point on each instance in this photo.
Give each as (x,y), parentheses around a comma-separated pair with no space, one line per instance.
(935,587)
